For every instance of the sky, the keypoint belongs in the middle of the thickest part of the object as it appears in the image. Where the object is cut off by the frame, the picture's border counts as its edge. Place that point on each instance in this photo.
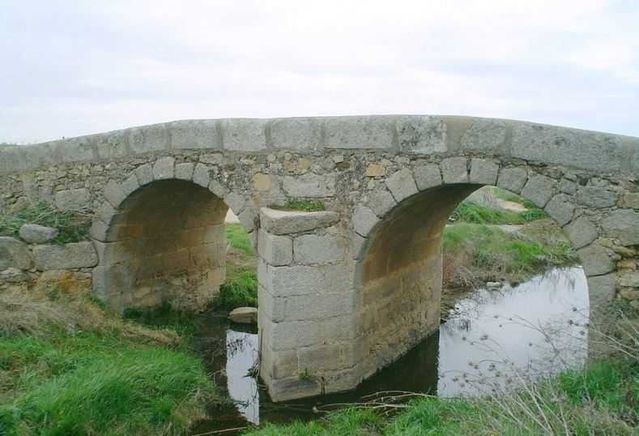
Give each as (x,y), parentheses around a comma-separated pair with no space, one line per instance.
(69,68)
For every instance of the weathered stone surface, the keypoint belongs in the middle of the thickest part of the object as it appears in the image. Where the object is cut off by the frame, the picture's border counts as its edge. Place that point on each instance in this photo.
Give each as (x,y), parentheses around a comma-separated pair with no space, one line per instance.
(276,250)
(381,202)
(68,256)
(114,194)
(629,279)
(201,175)
(454,170)
(72,199)
(622,224)
(484,134)
(243,134)
(629,294)
(364,220)
(581,232)
(596,260)
(296,133)
(194,134)
(427,176)
(596,197)
(315,249)
(560,208)
(421,134)
(284,222)
(164,168)
(14,254)
(309,185)
(512,179)
(358,132)
(144,173)
(37,234)
(401,184)
(375,170)
(538,189)
(184,171)
(630,200)
(483,171)
(13,275)
(287,281)
(601,289)
(244,315)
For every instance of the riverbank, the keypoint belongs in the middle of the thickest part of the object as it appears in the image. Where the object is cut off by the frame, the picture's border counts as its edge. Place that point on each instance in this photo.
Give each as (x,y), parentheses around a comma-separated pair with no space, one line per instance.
(67,366)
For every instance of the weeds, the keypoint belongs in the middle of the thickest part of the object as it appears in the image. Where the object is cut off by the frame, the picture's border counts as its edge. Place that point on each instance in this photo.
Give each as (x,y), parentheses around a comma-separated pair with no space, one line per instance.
(72,226)
(303,205)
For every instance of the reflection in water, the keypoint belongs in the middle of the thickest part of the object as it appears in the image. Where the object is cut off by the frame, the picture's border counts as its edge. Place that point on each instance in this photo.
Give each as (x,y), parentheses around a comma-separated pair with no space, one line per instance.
(495,337)
(241,356)
(491,339)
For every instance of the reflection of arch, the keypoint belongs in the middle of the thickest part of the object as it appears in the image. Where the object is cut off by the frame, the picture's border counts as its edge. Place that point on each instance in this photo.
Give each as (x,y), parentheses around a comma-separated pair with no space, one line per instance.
(160,237)
(398,241)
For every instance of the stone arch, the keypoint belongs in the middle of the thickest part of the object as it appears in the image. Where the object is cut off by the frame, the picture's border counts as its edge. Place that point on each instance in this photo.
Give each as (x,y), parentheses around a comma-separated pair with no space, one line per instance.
(159,235)
(397,242)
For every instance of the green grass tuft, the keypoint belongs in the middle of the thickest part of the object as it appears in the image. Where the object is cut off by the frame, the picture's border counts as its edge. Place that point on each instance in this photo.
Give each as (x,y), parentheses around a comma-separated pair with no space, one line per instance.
(72,226)
(238,291)
(238,238)
(470,212)
(303,205)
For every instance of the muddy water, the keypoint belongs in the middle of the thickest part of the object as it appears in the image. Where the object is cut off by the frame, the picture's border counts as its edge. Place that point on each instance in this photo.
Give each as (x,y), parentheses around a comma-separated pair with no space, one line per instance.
(491,340)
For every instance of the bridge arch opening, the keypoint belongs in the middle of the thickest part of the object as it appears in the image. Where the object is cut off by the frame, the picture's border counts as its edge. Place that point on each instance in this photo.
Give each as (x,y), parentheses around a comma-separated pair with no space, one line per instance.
(164,244)
(399,275)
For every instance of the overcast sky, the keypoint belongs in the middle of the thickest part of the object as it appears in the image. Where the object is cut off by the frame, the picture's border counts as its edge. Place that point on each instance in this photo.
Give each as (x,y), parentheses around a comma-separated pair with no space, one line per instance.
(75,67)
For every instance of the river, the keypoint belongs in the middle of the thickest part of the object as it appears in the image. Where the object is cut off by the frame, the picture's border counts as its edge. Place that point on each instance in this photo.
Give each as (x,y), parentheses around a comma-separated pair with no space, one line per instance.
(491,339)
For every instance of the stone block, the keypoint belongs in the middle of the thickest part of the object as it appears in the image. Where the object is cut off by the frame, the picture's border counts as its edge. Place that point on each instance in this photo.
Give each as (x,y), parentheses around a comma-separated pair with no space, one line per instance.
(328,357)
(316,307)
(112,280)
(596,260)
(248,218)
(114,194)
(622,224)
(243,134)
(454,170)
(285,222)
(427,176)
(217,189)
(99,230)
(357,245)
(13,275)
(276,250)
(296,133)
(163,168)
(14,254)
(629,279)
(421,134)
(244,315)
(201,175)
(484,134)
(194,134)
(236,202)
(314,249)
(359,132)
(560,208)
(538,189)
(37,234)
(144,173)
(512,179)
(287,281)
(73,199)
(581,232)
(364,220)
(67,256)
(375,170)
(401,184)
(601,290)
(184,171)
(596,196)
(309,185)
(381,202)
(630,200)
(292,388)
(483,171)
(148,138)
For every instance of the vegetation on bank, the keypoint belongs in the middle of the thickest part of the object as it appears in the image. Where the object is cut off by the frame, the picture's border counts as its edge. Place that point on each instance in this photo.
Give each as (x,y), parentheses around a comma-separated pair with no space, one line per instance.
(240,287)
(602,398)
(72,226)
(302,205)
(470,212)
(67,366)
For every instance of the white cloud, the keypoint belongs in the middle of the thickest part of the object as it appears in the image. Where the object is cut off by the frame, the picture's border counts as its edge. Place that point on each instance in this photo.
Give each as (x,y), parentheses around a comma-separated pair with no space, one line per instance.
(81,67)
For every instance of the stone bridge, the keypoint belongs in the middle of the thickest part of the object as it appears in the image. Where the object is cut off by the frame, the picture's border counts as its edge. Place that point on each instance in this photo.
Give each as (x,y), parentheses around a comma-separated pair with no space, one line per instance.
(345,291)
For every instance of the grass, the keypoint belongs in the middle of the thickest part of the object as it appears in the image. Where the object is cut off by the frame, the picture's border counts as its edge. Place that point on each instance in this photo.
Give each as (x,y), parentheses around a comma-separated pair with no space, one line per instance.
(470,212)
(240,287)
(69,367)
(600,399)
(477,253)
(72,226)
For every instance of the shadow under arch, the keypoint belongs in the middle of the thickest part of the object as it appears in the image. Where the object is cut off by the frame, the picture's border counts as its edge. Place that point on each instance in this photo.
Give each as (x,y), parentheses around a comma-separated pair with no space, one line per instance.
(164,242)
(398,277)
